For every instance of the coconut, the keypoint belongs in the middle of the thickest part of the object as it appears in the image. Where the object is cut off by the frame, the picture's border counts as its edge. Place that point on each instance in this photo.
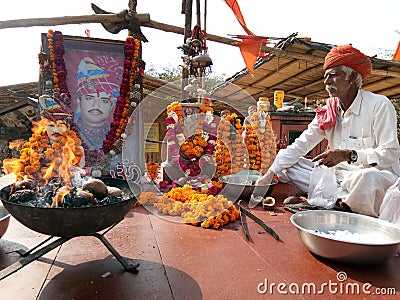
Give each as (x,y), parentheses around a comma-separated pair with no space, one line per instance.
(114,191)
(97,187)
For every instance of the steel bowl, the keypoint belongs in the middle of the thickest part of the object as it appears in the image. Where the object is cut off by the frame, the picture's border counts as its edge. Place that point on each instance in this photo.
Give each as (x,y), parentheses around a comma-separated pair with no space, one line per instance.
(4,220)
(381,238)
(242,186)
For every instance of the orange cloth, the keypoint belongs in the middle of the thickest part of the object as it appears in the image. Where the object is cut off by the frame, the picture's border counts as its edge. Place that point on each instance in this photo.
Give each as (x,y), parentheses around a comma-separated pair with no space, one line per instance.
(396,55)
(348,56)
(238,14)
(250,50)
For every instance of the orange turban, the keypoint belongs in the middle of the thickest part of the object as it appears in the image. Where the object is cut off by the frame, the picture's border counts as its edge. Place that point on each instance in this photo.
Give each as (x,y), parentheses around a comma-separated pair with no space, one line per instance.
(348,56)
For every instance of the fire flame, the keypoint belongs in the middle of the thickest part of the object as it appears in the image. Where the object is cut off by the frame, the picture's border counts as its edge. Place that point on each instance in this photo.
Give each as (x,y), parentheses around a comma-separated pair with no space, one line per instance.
(59,197)
(16,144)
(42,159)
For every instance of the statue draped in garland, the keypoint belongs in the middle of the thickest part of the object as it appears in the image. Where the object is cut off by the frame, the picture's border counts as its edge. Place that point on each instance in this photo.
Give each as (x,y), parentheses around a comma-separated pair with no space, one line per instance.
(191,139)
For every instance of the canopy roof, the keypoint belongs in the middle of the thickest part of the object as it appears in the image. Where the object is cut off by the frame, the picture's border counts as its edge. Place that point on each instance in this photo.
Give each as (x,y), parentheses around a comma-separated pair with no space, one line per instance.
(295,66)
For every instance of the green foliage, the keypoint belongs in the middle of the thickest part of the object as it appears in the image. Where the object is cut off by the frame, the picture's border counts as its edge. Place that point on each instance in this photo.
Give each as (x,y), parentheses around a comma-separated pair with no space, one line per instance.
(169,73)
(173,74)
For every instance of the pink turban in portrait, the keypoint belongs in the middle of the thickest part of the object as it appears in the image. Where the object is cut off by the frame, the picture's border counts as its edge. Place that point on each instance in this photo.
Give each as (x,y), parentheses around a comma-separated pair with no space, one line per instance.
(91,78)
(348,56)
(55,108)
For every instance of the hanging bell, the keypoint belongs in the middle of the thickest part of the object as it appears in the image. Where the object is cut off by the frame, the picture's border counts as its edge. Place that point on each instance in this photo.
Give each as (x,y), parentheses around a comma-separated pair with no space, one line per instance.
(195,43)
(190,88)
(201,61)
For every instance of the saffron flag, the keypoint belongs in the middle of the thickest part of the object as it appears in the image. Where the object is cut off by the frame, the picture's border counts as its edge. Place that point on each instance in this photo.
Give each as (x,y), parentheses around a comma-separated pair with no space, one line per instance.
(238,14)
(396,55)
(250,50)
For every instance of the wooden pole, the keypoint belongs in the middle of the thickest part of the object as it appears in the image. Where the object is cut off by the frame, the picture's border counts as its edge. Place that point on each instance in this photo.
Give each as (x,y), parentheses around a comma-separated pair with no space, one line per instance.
(198,12)
(97,18)
(187,33)
(145,21)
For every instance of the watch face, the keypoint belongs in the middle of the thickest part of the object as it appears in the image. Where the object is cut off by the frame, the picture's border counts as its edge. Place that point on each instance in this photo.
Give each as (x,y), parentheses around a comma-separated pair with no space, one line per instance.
(353,156)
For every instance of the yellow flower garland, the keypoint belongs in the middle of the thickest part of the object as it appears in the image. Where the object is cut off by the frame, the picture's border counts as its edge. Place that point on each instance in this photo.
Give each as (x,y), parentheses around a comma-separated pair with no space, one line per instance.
(195,208)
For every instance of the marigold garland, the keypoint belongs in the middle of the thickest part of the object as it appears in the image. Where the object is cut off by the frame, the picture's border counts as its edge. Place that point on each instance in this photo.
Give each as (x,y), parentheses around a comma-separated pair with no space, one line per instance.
(229,142)
(56,49)
(38,153)
(262,126)
(152,169)
(195,208)
(252,145)
(131,78)
(186,152)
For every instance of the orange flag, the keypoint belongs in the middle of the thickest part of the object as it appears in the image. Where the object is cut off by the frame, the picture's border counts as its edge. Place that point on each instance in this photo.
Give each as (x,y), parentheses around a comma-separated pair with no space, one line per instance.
(396,55)
(238,14)
(250,50)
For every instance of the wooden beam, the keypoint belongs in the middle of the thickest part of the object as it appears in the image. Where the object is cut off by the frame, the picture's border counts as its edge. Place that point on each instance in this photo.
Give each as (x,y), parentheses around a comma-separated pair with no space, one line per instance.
(96,18)
(145,21)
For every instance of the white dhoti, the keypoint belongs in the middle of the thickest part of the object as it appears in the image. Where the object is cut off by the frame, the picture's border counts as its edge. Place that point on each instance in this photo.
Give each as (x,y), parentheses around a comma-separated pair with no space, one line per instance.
(298,174)
(362,190)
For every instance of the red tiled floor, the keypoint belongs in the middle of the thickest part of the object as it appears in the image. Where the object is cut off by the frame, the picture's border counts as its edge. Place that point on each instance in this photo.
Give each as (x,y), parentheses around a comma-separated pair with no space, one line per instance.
(180,261)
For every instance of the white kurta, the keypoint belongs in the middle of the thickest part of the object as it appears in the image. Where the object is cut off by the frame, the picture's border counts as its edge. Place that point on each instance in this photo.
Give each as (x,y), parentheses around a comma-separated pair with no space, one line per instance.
(369,126)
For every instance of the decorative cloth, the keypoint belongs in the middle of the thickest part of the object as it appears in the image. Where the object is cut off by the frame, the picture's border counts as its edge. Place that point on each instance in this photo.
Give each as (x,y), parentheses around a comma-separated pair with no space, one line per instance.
(326,115)
(55,108)
(349,56)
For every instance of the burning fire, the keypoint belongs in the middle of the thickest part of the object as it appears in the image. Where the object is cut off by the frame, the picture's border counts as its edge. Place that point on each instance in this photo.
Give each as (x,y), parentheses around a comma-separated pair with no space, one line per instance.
(43,159)
(16,144)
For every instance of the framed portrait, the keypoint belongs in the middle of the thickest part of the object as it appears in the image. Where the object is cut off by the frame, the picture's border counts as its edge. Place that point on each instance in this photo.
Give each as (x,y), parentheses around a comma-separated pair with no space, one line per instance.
(94,70)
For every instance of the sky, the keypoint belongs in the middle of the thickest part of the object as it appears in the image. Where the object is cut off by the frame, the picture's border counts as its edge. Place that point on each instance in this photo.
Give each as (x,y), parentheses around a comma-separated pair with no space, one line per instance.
(371,26)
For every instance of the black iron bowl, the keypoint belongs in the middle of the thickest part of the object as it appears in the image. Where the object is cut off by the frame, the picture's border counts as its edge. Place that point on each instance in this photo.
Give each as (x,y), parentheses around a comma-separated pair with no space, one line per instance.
(71,222)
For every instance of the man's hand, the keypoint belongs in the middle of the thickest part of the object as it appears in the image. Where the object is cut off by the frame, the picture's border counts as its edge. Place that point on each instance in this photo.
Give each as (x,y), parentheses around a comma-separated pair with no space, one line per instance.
(266,179)
(332,157)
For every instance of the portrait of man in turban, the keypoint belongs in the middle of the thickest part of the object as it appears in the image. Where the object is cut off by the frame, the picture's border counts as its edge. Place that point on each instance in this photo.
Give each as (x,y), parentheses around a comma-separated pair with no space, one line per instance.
(97,92)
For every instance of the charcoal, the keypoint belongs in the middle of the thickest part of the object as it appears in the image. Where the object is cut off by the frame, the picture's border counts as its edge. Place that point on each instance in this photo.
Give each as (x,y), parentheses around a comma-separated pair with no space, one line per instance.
(27,184)
(23,196)
(40,194)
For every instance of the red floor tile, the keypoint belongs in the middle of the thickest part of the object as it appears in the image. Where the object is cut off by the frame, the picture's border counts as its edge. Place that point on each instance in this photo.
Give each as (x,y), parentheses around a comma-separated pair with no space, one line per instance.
(179,261)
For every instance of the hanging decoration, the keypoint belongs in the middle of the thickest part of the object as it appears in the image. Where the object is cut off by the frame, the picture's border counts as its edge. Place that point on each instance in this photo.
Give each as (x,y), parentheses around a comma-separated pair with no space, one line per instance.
(129,94)
(253,148)
(231,150)
(196,58)
(264,155)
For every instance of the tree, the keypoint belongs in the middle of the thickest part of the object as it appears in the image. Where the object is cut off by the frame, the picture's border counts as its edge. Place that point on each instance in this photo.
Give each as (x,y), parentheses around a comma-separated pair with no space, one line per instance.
(173,74)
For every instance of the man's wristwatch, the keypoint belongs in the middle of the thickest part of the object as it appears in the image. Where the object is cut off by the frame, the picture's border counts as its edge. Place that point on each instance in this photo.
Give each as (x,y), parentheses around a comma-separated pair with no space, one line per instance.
(353,157)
